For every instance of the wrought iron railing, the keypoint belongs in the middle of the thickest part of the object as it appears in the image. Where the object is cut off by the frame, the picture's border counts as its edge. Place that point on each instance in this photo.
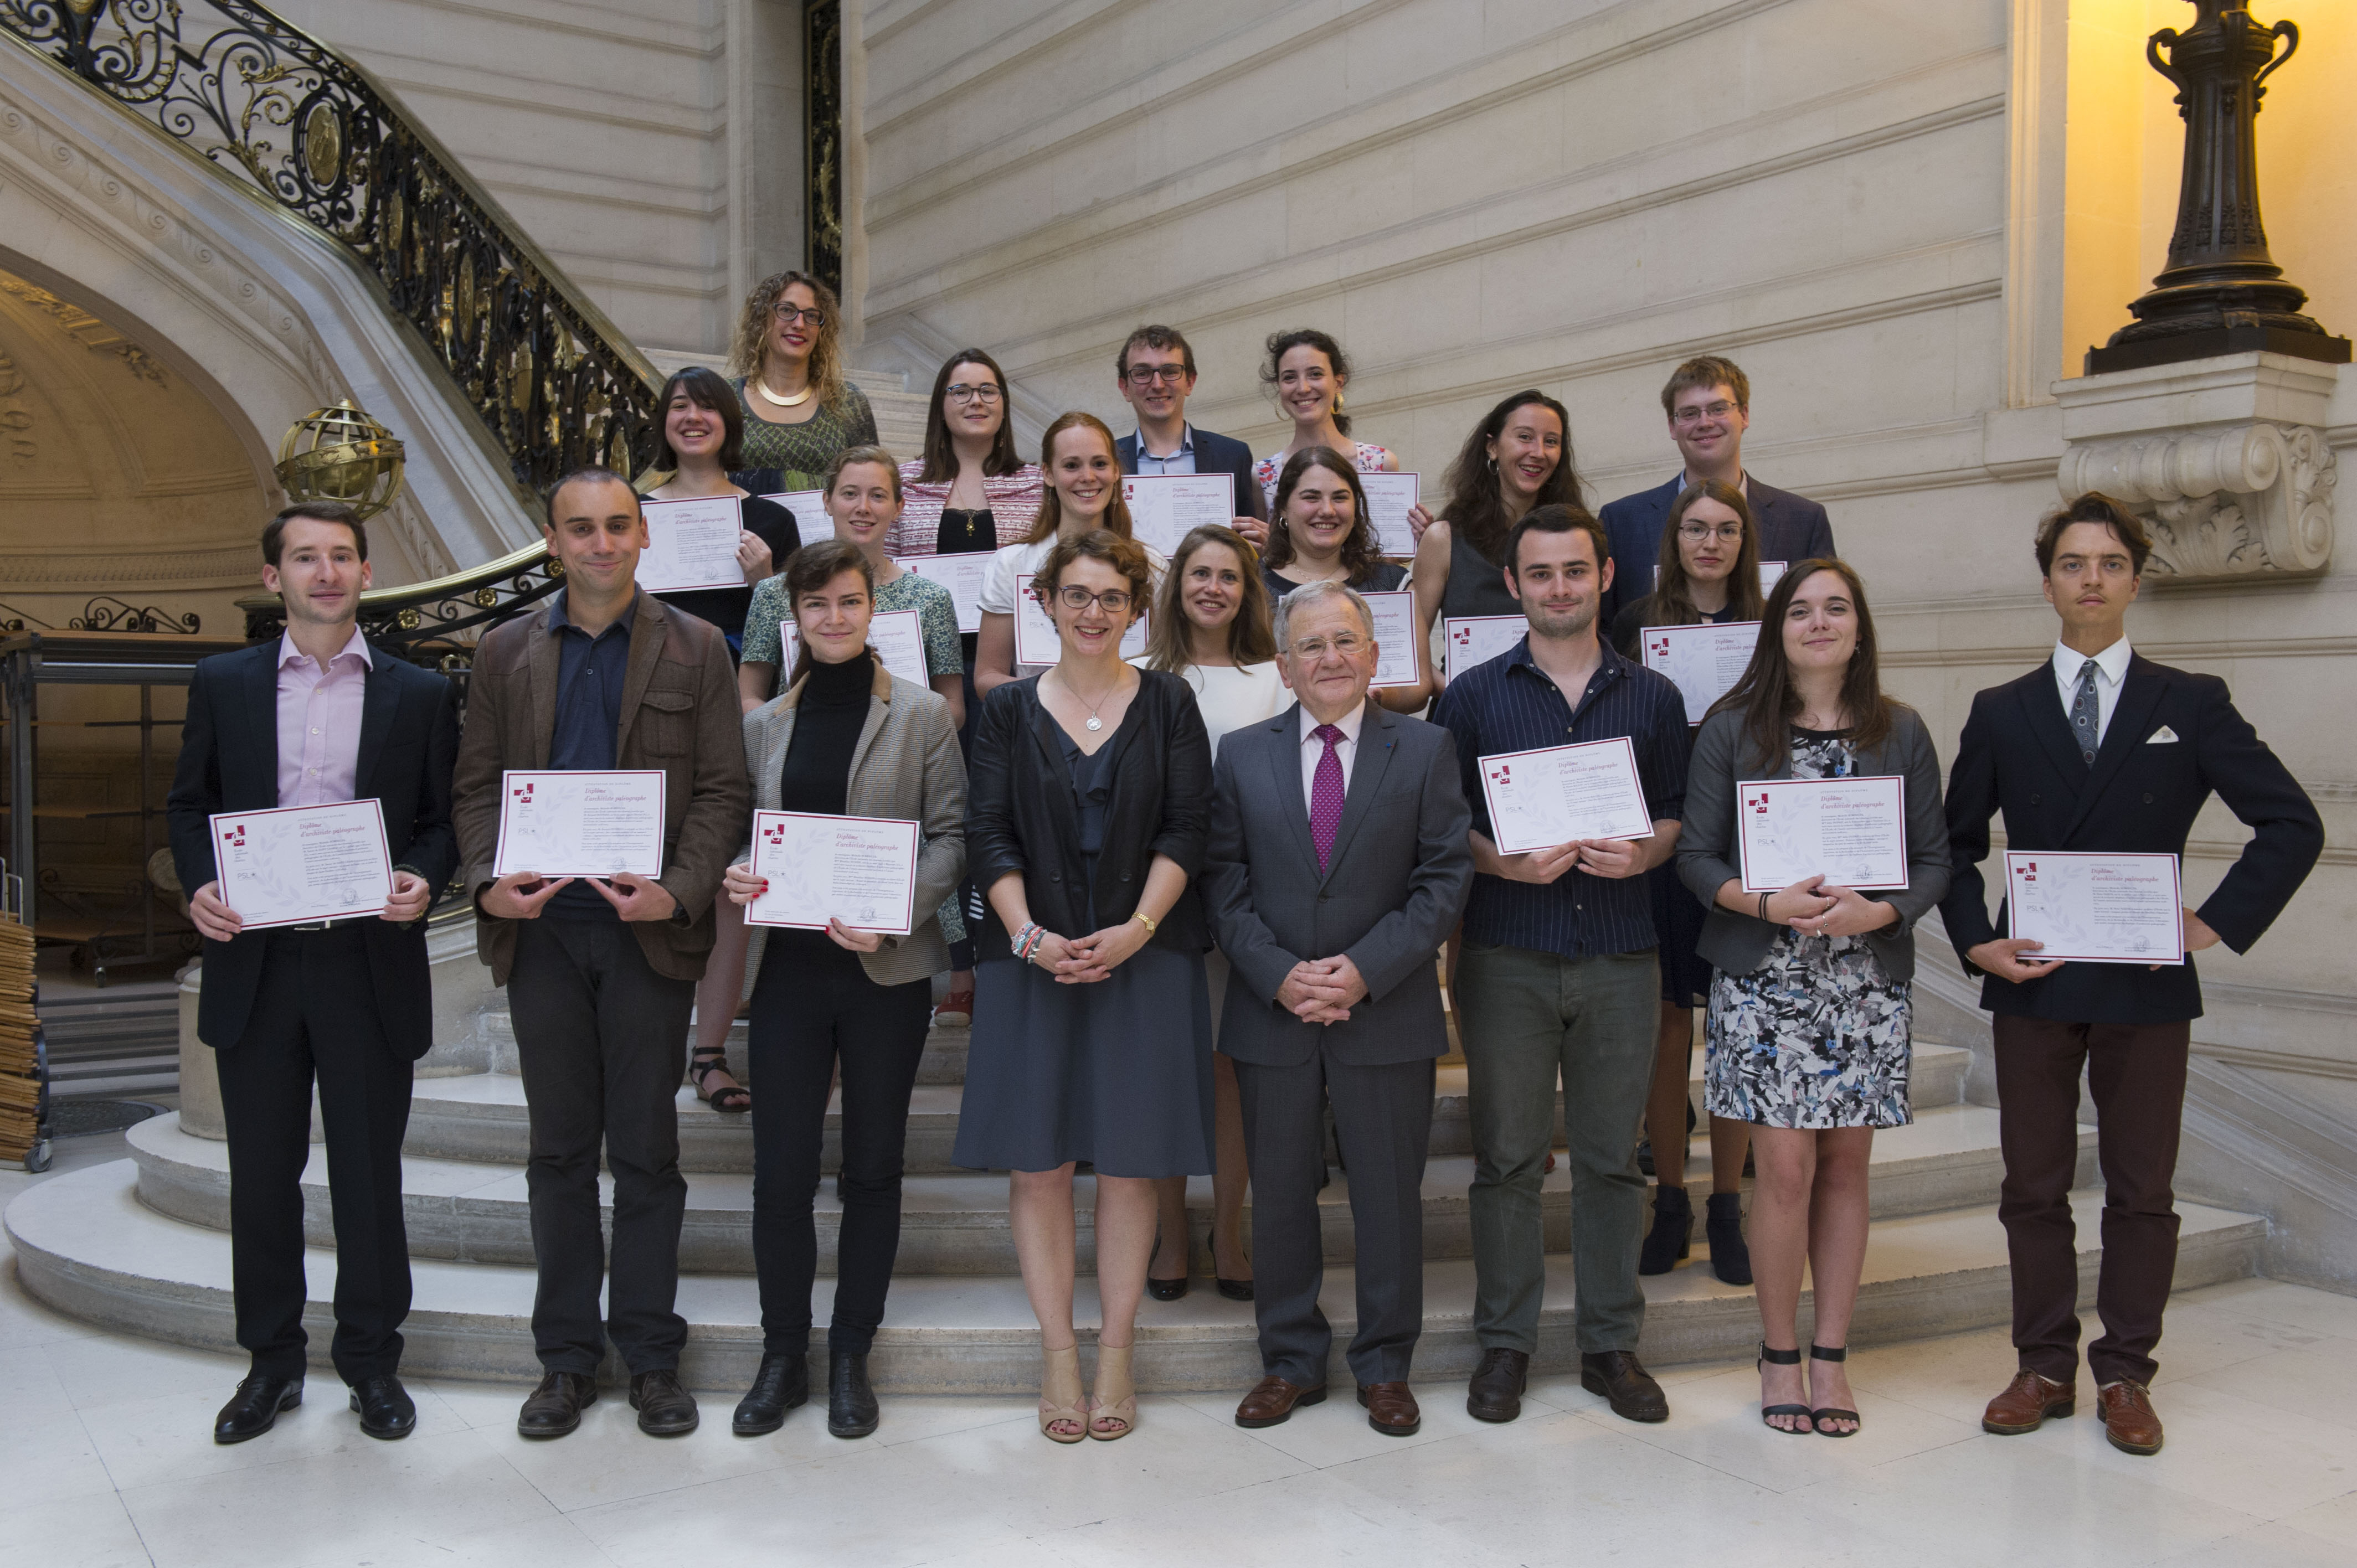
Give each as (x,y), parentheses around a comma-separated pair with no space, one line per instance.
(436,623)
(284,114)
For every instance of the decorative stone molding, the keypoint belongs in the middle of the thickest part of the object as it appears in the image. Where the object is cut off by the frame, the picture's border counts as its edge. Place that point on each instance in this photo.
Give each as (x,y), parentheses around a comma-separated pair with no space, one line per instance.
(2225,457)
(2225,503)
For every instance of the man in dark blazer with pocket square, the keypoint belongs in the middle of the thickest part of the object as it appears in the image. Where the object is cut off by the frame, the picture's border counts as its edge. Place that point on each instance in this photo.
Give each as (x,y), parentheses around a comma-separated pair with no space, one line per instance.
(1337,865)
(317,716)
(2100,749)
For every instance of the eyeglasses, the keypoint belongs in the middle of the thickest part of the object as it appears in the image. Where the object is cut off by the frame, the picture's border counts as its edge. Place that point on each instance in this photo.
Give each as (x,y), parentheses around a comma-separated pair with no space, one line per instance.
(1146,375)
(1074,597)
(1698,532)
(1346,643)
(960,393)
(1718,410)
(813,316)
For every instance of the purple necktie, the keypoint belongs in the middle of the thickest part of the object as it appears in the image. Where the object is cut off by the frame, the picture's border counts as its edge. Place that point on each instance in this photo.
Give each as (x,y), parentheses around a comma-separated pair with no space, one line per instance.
(1326,796)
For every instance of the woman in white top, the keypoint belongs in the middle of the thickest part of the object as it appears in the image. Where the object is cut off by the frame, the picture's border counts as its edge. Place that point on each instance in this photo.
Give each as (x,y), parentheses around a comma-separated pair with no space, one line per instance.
(1211,629)
(1084,493)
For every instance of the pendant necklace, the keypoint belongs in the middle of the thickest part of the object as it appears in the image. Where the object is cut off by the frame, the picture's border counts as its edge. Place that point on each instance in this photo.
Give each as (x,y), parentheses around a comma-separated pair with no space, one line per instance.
(796,401)
(1094,722)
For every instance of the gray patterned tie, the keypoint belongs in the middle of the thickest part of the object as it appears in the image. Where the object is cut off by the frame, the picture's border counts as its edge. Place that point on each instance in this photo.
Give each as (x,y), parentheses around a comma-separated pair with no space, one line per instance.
(2083,712)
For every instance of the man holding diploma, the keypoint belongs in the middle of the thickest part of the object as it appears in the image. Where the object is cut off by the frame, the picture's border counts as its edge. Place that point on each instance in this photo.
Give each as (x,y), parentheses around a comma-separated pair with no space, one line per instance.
(601,971)
(1154,374)
(1558,973)
(317,717)
(2100,750)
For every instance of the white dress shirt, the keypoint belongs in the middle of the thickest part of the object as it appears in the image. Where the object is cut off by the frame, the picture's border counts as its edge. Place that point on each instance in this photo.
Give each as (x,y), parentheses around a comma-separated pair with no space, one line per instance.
(1313,750)
(2111,669)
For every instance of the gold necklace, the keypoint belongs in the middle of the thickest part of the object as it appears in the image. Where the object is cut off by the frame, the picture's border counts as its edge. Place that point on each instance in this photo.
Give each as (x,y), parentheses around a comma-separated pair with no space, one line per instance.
(796,401)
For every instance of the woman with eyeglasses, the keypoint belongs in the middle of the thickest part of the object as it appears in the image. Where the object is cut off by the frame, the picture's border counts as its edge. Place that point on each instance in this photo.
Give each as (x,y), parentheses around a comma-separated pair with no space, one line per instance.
(970,491)
(800,407)
(1708,573)
(1319,532)
(1211,629)
(1084,493)
(846,739)
(1517,458)
(1085,827)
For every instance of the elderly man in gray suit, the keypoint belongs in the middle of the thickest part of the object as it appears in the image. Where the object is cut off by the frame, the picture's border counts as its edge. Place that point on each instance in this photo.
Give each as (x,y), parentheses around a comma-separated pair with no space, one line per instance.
(1337,865)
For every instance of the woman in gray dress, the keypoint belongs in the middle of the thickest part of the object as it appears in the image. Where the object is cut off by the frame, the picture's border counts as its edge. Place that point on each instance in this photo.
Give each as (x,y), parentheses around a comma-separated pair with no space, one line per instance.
(1092,1028)
(1808,1026)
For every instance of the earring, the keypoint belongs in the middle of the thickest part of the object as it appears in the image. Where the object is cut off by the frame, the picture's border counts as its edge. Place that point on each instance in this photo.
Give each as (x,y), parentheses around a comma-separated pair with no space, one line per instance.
(1337,401)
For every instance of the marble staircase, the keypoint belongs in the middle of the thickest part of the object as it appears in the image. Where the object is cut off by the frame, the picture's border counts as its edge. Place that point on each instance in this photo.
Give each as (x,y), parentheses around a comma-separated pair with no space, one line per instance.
(141,1244)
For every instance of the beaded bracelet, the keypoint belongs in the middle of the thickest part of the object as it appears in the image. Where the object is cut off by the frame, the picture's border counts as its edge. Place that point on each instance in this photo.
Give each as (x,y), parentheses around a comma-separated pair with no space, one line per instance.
(1023,935)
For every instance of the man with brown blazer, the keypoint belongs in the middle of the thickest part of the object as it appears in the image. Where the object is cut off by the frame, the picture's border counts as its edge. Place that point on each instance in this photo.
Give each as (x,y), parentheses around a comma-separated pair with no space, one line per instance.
(601,972)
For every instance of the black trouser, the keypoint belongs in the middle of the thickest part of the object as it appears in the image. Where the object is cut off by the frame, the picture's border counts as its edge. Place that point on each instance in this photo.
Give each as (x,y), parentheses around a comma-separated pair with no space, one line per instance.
(809,1007)
(314,1013)
(599,1035)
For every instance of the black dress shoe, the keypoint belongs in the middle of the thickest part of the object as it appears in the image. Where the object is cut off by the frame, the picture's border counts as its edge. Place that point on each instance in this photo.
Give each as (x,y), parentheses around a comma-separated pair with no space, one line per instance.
(665,1407)
(850,1402)
(1730,1255)
(1622,1380)
(1666,1243)
(782,1383)
(1166,1290)
(384,1407)
(1496,1391)
(254,1409)
(555,1407)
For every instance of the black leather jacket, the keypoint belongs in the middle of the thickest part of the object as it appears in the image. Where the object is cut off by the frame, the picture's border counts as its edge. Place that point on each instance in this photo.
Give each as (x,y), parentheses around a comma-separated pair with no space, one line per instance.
(1022,815)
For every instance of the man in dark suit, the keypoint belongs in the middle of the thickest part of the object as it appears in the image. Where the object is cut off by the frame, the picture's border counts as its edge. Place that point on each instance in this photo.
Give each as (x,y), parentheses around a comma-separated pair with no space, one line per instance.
(1708,404)
(2099,749)
(315,717)
(1337,865)
(601,972)
(1156,373)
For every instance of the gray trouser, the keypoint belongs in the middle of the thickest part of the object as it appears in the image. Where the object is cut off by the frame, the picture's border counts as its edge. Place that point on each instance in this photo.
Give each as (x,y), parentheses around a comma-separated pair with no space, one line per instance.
(1525,1016)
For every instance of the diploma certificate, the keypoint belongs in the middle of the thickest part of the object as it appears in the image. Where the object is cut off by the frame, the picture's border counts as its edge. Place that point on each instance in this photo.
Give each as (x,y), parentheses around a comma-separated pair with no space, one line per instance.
(1468,640)
(692,544)
(1165,508)
(581,823)
(897,636)
(2095,908)
(962,576)
(1390,498)
(1702,661)
(1852,831)
(859,870)
(299,864)
(809,508)
(1395,637)
(1036,642)
(1541,799)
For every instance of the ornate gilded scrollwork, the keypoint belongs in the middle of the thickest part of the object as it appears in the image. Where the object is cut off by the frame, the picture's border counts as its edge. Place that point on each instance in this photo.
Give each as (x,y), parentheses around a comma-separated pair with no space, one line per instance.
(552,381)
(823,139)
(436,622)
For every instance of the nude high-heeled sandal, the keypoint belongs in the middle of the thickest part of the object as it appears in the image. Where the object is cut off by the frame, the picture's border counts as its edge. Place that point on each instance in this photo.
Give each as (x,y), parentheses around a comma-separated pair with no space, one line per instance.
(1114,1412)
(1061,1396)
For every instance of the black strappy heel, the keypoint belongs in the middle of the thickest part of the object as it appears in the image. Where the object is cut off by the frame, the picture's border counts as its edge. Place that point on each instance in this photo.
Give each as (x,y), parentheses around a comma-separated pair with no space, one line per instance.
(1782,1359)
(1819,1417)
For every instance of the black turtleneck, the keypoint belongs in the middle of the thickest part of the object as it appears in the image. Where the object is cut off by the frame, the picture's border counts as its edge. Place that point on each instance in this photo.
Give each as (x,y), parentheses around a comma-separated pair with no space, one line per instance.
(833,709)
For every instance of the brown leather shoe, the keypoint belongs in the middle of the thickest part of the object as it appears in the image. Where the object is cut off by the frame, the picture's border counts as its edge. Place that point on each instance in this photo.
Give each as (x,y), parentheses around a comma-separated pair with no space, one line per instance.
(1272,1401)
(1495,1391)
(2128,1418)
(1391,1408)
(1623,1381)
(2026,1404)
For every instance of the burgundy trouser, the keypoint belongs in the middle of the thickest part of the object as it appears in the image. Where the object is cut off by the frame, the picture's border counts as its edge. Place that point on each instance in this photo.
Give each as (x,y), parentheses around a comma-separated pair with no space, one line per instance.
(2136,1072)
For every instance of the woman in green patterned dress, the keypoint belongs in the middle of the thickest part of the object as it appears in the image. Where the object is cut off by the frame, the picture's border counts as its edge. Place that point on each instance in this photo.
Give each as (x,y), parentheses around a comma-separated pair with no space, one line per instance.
(800,407)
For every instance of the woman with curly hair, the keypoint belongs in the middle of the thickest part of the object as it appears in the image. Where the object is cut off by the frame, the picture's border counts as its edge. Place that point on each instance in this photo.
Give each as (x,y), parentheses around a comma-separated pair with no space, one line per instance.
(800,408)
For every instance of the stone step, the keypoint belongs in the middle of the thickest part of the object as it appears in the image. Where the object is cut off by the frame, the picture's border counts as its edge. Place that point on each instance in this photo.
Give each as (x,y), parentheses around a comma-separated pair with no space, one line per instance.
(470,1211)
(482,1116)
(87,1246)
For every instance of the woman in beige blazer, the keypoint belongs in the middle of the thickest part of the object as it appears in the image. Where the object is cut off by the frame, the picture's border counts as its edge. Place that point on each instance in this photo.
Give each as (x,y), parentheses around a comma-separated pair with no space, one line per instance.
(846,739)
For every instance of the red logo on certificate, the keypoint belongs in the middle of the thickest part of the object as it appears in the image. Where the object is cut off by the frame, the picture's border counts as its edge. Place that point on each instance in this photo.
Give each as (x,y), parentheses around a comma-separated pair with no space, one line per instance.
(234,837)
(523,792)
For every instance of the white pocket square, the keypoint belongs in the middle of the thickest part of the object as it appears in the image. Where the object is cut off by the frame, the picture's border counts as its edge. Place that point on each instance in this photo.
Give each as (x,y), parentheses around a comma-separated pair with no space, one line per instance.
(2160,736)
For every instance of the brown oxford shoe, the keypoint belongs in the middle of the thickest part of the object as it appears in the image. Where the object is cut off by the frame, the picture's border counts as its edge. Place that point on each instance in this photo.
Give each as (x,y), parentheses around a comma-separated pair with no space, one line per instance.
(1272,1401)
(2026,1404)
(1391,1408)
(2128,1418)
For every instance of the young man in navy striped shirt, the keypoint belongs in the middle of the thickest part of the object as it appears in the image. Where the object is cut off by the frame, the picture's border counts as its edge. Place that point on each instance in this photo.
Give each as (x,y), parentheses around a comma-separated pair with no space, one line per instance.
(1558,972)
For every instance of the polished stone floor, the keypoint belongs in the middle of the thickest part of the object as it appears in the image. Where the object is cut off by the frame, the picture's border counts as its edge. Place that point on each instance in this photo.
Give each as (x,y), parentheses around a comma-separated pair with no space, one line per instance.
(104,1460)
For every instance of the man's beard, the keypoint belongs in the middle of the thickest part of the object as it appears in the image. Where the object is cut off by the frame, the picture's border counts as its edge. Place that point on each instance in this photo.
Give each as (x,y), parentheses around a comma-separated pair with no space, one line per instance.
(1559,625)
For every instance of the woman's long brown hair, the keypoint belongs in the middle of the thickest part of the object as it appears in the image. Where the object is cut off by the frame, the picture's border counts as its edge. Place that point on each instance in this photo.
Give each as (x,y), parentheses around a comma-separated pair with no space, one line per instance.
(749,346)
(1362,552)
(1476,507)
(1765,697)
(1051,505)
(1169,634)
(939,456)
(1672,602)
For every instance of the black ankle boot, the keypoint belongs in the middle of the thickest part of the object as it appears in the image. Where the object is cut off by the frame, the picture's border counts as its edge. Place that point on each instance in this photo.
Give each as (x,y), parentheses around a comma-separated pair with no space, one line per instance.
(782,1383)
(1665,1244)
(850,1403)
(1730,1255)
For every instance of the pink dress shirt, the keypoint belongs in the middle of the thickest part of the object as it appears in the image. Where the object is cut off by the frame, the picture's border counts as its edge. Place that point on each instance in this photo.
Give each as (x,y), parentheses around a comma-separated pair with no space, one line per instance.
(319,722)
